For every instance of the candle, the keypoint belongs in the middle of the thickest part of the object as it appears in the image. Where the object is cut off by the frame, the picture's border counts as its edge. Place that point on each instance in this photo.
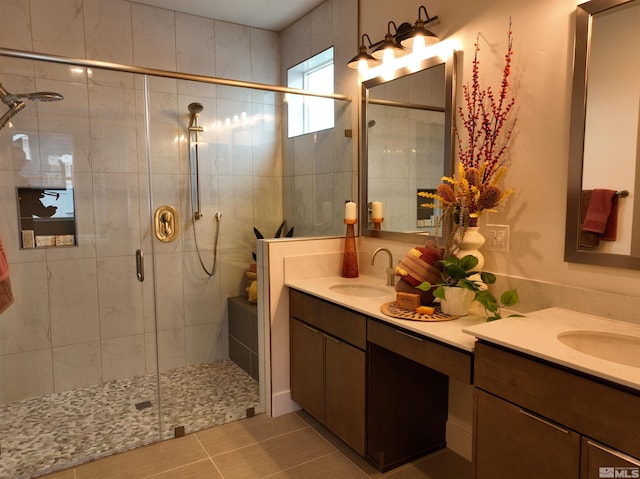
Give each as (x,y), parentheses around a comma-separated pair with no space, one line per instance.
(376,210)
(350,211)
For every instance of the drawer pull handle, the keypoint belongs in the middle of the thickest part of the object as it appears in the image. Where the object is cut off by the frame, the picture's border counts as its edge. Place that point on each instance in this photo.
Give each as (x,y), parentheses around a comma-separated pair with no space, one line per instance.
(409,335)
(615,453)
(548,423)
(309,327)
(333,339)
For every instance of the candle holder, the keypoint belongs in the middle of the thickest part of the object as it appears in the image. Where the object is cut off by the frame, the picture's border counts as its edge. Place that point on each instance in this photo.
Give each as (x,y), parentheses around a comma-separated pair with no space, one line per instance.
(350,258)
(377,223)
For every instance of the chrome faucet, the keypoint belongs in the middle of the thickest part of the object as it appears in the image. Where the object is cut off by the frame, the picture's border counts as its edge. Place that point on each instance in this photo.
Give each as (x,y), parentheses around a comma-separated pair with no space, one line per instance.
(391,273)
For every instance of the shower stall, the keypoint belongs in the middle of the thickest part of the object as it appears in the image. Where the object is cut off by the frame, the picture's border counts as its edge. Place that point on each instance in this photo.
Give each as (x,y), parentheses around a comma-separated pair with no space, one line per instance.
(119,337)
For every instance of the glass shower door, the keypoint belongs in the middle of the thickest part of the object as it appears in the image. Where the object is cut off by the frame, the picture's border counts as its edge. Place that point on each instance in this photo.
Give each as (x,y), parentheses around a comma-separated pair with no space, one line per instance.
(78,347)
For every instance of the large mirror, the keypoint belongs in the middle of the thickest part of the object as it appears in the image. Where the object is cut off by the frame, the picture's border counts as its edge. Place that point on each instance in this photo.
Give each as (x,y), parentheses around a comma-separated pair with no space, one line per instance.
(407,135)
(603,210)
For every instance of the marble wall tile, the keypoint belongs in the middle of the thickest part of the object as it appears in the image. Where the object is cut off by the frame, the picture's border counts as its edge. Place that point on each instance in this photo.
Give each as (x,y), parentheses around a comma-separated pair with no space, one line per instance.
(116,214)
(201,292)
(108,31)
(171,349)
(203,343)
(73,296)
(76,365)
(164,132)
(25,326)
(24,375)
(265,59)
(15,23)
(267,205)
(321,32)
(122,357)
(154,34)
(169,291)
(232,62)
(120,297)
(112,117)
(58,27)
(195,44)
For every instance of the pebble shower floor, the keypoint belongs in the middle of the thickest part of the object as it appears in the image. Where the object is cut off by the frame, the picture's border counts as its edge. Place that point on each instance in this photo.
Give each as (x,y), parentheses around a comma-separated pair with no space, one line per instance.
(40,434)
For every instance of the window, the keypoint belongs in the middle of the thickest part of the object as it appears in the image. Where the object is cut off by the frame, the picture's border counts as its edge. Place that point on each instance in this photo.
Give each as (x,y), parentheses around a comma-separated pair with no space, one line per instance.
(308,113)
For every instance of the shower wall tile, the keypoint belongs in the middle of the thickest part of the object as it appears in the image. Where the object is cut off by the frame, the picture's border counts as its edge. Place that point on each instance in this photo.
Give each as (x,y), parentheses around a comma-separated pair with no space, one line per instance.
(232,62)
(25,375)
(122,357)
(112,118)
(108,31)
(85,222)
(265,60)
(202,343)
(25,325)
(164,132)
(73,296)
(154,37)
(76,366)
(321,33)
(296,42)
(120,297)
(64,129)
(169,291)
(58,27)
(322,151)
(15,23)
(116,214)
(171,349)
(267,191)
(195,42)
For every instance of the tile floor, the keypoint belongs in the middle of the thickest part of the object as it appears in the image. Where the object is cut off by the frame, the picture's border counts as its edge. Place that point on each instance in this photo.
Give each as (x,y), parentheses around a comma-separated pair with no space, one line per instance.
(290,446)
(47,433)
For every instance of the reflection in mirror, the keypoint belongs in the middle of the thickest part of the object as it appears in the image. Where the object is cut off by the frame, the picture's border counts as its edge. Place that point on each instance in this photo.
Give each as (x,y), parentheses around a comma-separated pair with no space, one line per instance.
(406,147)
(603,213)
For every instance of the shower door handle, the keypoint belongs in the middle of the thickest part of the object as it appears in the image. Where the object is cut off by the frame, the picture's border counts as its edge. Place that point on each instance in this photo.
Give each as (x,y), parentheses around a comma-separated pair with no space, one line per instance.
(140,265)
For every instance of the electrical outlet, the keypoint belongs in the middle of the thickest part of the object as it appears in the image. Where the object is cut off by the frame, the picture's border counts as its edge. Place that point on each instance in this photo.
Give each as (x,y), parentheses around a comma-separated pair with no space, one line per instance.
(497,238)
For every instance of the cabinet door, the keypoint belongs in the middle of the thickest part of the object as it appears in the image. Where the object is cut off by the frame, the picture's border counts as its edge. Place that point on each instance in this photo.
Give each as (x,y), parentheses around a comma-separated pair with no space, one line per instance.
(510,442)
(307,370)
(345,392)
(599,461)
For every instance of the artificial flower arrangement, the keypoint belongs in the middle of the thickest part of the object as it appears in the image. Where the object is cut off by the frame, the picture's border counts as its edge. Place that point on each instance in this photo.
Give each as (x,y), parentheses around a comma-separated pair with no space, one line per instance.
(483,140)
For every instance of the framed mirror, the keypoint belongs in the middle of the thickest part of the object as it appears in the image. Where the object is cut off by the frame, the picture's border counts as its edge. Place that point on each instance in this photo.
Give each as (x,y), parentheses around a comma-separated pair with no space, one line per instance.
(407,146)
(603,210)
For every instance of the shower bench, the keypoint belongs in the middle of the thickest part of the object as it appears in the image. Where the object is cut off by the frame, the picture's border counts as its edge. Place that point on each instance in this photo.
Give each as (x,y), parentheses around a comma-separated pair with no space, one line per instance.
(243,334)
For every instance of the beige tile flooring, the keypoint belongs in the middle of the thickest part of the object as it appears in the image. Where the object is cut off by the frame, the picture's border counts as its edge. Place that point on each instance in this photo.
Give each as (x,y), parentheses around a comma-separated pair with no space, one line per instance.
(290,446)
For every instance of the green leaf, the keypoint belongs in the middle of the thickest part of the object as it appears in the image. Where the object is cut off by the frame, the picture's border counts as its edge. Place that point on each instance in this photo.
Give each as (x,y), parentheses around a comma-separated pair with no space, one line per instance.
(439,292)
(509,298)
(467,284)
(456,272)
(426,286)
(469,262)
(488,278)
(279,232)
(486,299)
(256,231)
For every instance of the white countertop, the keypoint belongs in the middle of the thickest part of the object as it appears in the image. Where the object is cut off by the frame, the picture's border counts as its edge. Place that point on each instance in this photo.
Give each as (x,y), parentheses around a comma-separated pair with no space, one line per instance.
(536,335)
(449,332)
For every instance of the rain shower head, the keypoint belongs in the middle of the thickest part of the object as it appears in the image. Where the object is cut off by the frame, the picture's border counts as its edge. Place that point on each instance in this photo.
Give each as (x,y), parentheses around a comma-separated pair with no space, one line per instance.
(195,109)
(15,103)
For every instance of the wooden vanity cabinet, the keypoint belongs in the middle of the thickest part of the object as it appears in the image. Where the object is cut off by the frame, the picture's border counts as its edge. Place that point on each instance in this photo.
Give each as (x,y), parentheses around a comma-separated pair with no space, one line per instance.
(534,419)
(328,365)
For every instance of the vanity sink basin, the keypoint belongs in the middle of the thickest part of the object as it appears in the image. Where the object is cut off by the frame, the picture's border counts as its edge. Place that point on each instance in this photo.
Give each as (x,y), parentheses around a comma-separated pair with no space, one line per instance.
(360,290)
(618,348)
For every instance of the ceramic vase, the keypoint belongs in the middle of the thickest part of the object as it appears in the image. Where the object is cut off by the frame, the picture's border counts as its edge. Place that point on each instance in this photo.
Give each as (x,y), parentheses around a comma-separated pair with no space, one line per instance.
(471,243)
(457,301)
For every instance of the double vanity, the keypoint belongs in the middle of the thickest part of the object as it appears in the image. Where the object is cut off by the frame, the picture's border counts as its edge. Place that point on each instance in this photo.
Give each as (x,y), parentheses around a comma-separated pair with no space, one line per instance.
(556,394)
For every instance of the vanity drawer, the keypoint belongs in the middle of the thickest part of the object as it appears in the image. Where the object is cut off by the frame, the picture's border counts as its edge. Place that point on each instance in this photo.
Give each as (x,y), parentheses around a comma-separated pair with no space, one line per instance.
(445,359)
(582,403)
(330,318)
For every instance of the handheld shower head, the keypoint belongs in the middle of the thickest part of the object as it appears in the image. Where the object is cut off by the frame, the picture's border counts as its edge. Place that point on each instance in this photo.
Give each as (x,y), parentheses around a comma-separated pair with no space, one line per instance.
(41,96)
(195,109)
(15,103)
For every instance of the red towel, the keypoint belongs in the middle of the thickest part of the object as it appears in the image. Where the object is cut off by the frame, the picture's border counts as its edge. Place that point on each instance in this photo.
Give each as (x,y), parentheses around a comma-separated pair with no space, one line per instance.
(600,212)
(6,296)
